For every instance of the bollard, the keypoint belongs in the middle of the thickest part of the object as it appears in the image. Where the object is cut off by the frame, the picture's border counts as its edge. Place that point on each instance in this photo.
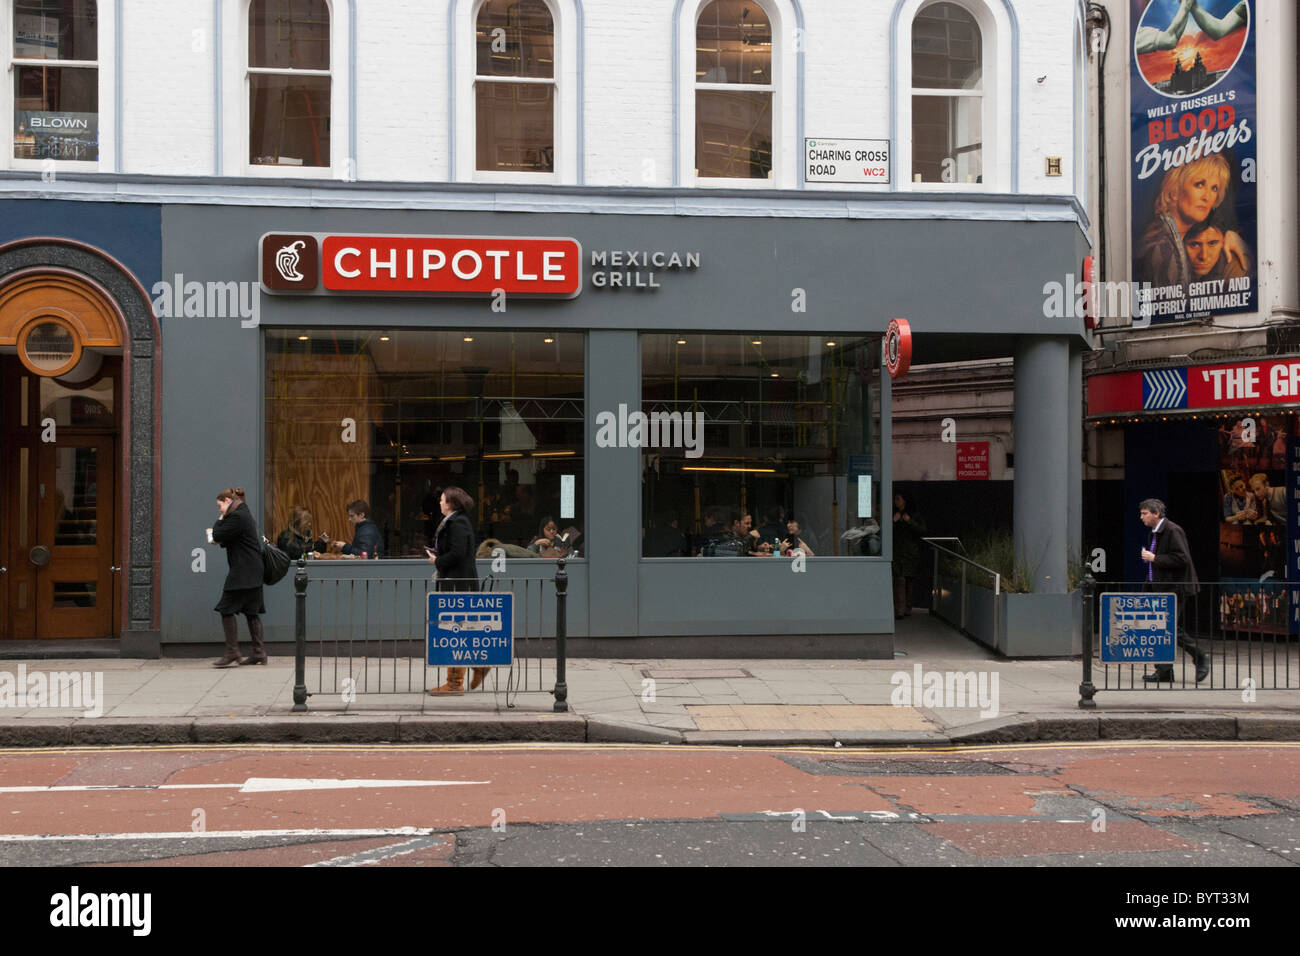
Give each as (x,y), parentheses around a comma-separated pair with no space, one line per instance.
(1086,689)
(300,694)
(561,632)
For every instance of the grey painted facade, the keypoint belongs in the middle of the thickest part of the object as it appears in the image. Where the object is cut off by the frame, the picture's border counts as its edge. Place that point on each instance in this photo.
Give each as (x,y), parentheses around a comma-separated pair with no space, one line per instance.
(968,274)
(954,278)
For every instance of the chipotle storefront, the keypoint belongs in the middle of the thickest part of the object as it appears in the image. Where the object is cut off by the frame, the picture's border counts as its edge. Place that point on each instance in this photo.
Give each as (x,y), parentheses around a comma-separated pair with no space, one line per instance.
(646,373)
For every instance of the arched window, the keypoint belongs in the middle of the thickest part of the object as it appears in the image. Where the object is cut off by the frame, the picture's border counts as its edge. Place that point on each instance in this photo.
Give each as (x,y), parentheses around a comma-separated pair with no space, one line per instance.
(56,80)
(514,87)
(289,83)
(734,90)
(947,96)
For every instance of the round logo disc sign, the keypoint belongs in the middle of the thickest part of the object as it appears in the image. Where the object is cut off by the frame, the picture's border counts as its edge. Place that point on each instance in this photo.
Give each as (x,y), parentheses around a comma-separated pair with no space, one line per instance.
(898,347)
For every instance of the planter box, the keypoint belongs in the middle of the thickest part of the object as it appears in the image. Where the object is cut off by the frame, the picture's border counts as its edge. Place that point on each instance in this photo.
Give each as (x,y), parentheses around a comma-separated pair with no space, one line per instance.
(1041,625)
(1017,625)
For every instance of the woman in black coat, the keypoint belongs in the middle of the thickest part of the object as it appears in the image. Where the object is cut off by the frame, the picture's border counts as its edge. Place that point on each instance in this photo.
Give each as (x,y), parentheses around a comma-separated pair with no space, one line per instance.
(453,557)
(237,533)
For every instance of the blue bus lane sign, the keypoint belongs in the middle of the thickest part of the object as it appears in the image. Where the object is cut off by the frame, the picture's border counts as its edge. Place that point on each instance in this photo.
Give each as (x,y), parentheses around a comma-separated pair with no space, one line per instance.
(1138,628)
(466,628)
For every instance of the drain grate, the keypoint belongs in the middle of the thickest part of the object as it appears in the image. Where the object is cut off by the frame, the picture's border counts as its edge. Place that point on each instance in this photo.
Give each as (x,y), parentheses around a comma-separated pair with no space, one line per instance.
(905,768)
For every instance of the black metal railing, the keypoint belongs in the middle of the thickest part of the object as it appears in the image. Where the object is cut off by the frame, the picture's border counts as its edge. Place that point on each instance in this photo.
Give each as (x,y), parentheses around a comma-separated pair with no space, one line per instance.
(367,635)
(1245,631)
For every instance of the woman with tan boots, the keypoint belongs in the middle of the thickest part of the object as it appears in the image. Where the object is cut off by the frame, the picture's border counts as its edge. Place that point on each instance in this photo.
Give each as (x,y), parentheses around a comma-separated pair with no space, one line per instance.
(237,533)
(452,556)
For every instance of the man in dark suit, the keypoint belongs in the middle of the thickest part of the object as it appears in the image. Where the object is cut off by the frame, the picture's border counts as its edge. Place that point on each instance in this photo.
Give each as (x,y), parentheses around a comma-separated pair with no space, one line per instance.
(1169,561)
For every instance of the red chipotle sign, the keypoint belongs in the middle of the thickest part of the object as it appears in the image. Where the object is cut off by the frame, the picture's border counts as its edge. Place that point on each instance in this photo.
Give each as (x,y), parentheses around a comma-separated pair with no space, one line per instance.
(422,265)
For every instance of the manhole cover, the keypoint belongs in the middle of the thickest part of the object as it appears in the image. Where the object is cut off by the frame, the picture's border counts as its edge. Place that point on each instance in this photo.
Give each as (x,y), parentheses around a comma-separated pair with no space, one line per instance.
(696,673)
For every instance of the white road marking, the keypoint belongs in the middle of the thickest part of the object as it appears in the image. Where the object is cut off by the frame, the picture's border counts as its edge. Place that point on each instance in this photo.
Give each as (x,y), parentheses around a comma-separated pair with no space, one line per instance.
(367,857)
(258,785)
(211,835)
(277,784)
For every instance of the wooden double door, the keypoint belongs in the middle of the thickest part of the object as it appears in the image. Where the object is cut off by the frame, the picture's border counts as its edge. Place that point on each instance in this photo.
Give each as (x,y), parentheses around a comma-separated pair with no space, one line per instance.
(58,500)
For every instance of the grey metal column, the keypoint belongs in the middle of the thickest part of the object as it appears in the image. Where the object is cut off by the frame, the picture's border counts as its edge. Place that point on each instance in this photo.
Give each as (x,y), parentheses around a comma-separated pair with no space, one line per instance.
(1042,435)
(613,529)
(1074,487)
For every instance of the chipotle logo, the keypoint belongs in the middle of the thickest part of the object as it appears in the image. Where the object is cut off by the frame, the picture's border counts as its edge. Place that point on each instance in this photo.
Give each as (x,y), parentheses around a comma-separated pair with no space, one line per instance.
(290,262)
(426,265)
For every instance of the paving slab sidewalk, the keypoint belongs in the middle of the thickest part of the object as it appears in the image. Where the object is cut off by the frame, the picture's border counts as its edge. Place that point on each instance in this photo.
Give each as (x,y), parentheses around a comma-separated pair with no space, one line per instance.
(779,702)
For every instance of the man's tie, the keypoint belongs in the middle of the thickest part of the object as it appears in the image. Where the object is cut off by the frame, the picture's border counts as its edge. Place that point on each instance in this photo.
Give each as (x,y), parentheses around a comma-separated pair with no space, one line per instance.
(1151,567)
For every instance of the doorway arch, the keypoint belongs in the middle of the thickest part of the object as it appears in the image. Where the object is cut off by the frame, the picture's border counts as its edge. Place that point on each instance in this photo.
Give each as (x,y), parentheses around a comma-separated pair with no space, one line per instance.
(100,305)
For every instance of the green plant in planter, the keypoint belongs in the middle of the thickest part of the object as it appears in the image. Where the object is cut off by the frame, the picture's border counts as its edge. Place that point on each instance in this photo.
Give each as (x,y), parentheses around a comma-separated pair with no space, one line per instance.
(998,551)
(1078,567)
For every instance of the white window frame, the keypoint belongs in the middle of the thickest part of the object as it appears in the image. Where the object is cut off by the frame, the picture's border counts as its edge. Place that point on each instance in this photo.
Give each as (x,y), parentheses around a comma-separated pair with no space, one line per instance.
(785,152)
(564,78)
(995,88)
(105,16)
(237,86)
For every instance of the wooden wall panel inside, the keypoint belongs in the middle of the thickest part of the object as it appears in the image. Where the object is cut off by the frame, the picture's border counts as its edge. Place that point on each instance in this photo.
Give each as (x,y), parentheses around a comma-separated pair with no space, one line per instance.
(309,463)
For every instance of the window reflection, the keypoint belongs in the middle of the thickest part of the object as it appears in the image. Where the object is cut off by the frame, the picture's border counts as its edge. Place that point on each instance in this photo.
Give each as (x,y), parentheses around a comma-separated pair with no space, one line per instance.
(515,121)
(787,450)
(733,126)
(947,101)
(499,414)
(289,86)
(56,108)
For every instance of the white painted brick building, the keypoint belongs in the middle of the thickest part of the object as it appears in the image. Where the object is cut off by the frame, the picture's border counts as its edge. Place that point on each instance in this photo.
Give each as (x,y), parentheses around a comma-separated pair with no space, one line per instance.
(173,89)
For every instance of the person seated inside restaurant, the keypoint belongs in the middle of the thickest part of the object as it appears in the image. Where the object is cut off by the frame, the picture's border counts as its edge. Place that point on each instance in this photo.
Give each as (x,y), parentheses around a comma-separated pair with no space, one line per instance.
(735,541)
(795,531)
(773,527)
(296,540)
(663,539)
(546,534)
(366,537)
(794,541)
(713,528)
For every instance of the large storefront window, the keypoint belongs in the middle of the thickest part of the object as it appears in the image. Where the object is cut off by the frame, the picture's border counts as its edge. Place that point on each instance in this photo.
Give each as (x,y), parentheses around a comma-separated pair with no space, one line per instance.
(56,107)
(758,443)
(393,417)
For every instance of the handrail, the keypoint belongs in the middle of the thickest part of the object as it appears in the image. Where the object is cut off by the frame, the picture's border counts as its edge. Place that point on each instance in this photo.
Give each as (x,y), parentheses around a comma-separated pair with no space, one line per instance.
(965,602)
(997,578)
(933,539)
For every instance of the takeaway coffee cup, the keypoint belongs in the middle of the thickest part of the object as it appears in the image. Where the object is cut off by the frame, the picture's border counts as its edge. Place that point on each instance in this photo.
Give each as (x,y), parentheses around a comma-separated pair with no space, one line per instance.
(210,541)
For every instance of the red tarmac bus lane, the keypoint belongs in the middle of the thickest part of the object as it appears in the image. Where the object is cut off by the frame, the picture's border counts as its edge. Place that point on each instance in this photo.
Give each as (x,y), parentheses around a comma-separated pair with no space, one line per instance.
(540,783)
(528,786)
